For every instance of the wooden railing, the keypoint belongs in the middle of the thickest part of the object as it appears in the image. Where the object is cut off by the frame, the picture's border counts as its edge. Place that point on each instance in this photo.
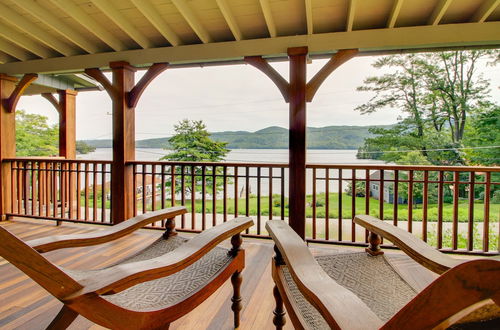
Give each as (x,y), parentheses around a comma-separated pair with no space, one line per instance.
(453,208)
(212,192)
(58,189)
(449,207)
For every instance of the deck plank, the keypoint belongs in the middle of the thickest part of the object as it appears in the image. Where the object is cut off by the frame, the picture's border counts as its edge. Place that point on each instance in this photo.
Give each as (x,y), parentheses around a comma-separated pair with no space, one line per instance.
(25,305)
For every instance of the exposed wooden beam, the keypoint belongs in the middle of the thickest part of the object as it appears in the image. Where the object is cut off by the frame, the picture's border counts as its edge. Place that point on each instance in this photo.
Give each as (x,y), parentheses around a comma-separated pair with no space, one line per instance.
(309,17)
(150,12)
(135,94)
(22,41)
(485,10)
(51,98)
(85,20)
(35,31)
(268,70)
(337,60)
(11,102)
(379,41)
(351,10)
(393,17)
(192,20)
(123,23)
(268,16)
(58,25)
(228,16)
(4,58)
(438,12)
(13,50)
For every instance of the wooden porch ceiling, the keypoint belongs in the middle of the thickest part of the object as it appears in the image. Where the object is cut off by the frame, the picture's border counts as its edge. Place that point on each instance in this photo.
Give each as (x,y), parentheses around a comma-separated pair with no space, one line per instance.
(50,36)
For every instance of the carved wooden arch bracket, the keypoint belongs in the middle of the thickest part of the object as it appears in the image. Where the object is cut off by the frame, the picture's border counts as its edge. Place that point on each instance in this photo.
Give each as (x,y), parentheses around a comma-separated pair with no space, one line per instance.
(11,102)
(135,94)
(335,61)
(97,74)
(313,85)
(268,70)
(51,98)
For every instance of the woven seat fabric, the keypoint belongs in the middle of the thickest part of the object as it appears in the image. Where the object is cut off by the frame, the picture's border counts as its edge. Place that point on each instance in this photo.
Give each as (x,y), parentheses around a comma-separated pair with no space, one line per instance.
(372,279)
(167,291)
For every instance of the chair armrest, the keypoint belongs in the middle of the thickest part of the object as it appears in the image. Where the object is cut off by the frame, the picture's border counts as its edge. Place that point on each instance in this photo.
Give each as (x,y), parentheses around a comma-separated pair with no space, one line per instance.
(50,243)
(340,307)
(414,247)
(120,277)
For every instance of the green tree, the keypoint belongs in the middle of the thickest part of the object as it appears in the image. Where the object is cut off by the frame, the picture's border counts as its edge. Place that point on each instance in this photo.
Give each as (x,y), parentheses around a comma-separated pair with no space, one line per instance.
(192,143)
(437,92)
(84,148)
(483,136)
(34,136)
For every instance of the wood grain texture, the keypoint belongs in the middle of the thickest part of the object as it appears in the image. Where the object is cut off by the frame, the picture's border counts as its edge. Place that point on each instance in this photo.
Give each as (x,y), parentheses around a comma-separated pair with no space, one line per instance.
(83,295)
(26,305)
(58,242)
(340,307)
(410,244)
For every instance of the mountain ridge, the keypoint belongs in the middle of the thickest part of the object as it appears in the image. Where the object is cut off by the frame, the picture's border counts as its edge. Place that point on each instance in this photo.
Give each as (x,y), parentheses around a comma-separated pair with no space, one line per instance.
(272,137)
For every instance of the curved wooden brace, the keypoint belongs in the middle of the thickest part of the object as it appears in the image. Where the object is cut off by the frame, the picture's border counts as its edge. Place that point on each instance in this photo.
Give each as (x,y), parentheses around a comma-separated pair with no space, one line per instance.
(135,94)
(460,287)
(337,60)
(268,70)
(11,102)
(97,74)
(51,98)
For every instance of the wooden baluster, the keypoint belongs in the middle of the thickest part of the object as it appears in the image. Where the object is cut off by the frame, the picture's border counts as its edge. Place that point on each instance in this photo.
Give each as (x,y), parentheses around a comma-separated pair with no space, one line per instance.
(454,237)
(224,197)
(203,197)
(247,194)
(425,205)
(327,204)
(214,196)
(440,210)
(367,198)
(353,205)
(340,206)
(258,199)
(103,194)
(470,225)
(270,193)
(193,197)
(183,196)
(486,223)
(313,201)
(282,193)
(235,191)
(86,190)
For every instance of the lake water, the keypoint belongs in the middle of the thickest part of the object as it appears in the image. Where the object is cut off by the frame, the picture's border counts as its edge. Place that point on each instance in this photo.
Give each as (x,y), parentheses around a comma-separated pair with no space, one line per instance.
(330,156)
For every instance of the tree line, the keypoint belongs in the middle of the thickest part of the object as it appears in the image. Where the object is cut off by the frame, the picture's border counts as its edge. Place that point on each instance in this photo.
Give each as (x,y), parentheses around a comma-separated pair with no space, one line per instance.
(448,117)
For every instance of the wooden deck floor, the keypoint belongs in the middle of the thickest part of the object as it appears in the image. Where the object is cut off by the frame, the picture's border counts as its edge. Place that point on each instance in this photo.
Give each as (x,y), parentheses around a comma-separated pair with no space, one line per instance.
(25,305)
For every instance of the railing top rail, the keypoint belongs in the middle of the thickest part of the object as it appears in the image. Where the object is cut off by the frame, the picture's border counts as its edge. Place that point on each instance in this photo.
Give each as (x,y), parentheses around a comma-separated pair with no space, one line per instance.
(56,159)
(408,167)
(276,165)
(227,164)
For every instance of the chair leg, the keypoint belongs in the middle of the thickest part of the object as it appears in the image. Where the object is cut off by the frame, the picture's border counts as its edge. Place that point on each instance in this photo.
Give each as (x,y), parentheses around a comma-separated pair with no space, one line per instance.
(279,312)
(63,319)
(236,306)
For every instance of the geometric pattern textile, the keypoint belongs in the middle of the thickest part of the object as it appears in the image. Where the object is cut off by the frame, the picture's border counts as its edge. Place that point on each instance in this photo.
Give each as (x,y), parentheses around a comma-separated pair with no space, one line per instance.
(163,292)
(372,279)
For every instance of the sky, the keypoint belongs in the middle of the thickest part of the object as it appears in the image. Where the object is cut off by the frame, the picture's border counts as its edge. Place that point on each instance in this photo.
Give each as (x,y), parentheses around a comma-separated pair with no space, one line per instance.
(231,98)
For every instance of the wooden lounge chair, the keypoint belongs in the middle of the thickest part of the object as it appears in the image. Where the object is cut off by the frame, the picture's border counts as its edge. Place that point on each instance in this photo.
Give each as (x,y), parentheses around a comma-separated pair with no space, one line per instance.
(361,290)
(145,291)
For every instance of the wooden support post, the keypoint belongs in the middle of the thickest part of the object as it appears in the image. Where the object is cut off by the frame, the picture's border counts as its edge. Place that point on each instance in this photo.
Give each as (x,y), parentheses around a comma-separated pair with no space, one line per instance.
(297,142)
(125,95)
(67,123)
(297,92)
(7,142)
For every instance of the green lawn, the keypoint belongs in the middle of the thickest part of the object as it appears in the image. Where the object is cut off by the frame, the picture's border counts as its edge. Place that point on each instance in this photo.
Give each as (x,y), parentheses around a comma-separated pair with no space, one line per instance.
(432,211)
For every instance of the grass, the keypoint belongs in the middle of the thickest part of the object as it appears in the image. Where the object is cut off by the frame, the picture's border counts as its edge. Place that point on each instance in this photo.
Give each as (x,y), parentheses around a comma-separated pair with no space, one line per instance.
(333,198)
